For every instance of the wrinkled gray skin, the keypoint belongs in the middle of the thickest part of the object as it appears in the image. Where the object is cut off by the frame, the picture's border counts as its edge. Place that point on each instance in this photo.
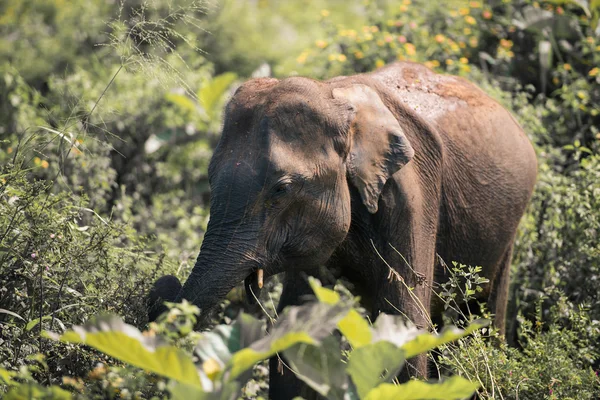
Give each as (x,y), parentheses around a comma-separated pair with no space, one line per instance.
(311,173)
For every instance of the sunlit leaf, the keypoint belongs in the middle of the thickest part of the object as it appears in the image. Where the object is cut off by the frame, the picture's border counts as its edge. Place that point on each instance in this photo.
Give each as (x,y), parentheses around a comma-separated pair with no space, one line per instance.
(181,101)
(110,335)
(353,326)
(212,91)
(453,388)
(31,390)
(428,341)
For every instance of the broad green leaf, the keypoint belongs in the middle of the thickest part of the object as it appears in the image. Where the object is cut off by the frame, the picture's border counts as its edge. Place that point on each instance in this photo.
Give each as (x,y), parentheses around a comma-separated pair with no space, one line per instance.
(212,91)
(308,324)
(321,367)
(428,341)
(246,358)
(7,376)
(216,348)
(354,327)
(454,388)
(373,364)
(181,391)
(112,336)
(31,390)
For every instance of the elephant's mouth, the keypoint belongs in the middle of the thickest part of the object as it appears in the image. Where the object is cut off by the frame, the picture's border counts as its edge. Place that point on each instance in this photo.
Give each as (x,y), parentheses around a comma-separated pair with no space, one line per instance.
(253,284)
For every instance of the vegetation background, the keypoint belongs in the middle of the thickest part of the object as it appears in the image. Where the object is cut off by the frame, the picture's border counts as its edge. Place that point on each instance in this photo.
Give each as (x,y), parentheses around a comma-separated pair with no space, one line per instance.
(109,111)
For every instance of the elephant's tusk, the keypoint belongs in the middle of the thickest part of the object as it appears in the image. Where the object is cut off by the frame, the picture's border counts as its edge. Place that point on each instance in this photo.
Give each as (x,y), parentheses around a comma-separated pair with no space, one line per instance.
(259,275)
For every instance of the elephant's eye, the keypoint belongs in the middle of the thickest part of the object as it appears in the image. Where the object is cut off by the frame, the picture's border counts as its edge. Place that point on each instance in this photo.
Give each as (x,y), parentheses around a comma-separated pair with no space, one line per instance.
(282,188)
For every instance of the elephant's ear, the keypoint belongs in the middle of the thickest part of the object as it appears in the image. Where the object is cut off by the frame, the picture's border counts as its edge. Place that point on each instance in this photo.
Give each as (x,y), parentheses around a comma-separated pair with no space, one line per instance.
(378,145)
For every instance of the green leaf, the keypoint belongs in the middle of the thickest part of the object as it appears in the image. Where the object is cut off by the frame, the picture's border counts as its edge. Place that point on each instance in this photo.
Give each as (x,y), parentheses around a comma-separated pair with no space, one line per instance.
(14,314)
(7,376)
(112,336)
(32,390)
(354,327)
(182,101)
(181,391)
(427,341)
(219,345)
(213,91)
(373,364)
(33,323)
(321,367)
(454,388)
(308,324)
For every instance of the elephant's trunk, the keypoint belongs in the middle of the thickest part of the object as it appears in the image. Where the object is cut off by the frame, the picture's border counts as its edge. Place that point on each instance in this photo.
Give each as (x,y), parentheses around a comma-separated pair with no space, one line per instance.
(226,258)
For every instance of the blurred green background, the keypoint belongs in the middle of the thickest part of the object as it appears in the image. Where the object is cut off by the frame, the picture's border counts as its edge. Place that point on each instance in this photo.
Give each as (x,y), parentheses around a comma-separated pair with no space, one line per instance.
(109,111)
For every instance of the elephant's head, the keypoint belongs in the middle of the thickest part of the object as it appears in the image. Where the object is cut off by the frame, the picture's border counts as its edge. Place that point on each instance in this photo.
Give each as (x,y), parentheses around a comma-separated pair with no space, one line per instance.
(280,180)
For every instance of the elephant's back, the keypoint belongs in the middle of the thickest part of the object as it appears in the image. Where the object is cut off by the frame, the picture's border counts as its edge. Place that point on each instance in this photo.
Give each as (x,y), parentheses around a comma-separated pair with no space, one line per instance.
(489,166)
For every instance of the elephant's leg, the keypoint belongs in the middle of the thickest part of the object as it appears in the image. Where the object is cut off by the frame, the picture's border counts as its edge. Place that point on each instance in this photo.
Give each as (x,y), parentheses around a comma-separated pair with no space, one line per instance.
(283,384)
(498,298)
(407,288)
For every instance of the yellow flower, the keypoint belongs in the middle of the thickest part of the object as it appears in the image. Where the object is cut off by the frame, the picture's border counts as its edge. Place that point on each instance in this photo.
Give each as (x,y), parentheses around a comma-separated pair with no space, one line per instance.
(567,67)
(581,94)
(454,47)
(342,57)
(302,57)
(475,4)
(403,8)
(449,62)
(440,38)
(406,2)
(410,49)
(555,80)
(321,44)
(465,68)
(374,29)
(470,20)
(467,31)
(325,13)
(380,43)
(594,72)
(9,150)
(37,161)
(379,63)
(332,57)
(453,13)
(463,11)
(589,39)
(358,55)
(432,64)
(45,164)
(464,60)
(473,42)
(462,45)
(507,44)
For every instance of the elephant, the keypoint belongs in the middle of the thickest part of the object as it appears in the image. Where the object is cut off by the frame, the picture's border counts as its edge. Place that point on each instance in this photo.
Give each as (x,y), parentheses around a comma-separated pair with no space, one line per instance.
(373,177)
